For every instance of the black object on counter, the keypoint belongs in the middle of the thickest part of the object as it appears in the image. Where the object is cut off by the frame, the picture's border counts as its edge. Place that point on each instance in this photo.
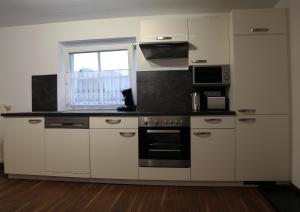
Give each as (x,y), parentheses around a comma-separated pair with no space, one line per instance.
(128,100)
(44,93)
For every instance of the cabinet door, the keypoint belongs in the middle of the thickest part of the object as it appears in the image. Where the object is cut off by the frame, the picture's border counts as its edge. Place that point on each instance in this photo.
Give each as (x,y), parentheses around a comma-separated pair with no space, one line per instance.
(67,152)
(114,153)
(212,154)
(24,146)
(262,148)
(209,40)
(259,21)
(164,30)
(261,74)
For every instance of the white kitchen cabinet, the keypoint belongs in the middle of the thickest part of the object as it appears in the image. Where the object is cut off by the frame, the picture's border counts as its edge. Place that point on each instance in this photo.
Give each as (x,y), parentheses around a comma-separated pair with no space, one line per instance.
(262,148)
(209,40)
(212,122)
(261,74)
(164,30)
(212,149)
(24,146)
(67,152)
(113,122)
(259,21)
(114,153)
(212,154)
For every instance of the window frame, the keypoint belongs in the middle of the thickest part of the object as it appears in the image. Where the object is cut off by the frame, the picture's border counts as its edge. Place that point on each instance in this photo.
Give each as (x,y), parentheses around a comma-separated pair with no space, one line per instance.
(130,47)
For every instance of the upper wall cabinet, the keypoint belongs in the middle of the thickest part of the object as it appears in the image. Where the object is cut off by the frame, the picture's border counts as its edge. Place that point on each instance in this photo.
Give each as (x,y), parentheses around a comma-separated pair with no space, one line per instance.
(261,21)
(164,30)
(209,40)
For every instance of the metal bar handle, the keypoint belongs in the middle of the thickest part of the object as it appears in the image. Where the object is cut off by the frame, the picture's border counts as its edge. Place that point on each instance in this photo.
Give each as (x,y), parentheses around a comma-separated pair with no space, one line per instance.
(213,121)
(113,121)
(164,38)
(163,131)
(202,134)
(247,110)
(247,120)
(127,134)
(199,61)
(34,121)
(259,30)
(164,150)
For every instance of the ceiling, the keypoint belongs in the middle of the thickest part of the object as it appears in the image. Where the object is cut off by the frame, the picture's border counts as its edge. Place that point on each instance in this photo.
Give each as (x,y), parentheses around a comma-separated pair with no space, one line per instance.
(22,12)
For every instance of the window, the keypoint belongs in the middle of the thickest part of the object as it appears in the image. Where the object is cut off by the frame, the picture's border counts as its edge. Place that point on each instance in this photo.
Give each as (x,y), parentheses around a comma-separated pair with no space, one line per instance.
(96,78)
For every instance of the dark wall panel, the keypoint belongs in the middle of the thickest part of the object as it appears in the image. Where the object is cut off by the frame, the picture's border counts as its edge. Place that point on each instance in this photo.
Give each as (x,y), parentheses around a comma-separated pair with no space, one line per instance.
(164,91)
(44,93)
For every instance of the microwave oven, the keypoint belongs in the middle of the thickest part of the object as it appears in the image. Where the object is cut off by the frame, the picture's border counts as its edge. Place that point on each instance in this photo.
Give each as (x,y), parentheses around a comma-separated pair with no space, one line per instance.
(215,75)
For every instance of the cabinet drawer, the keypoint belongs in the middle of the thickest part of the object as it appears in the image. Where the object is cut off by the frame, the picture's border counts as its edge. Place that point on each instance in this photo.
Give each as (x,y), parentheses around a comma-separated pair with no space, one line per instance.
(113,122)
(167,30)
(260,21)
(156,173)
(213,122)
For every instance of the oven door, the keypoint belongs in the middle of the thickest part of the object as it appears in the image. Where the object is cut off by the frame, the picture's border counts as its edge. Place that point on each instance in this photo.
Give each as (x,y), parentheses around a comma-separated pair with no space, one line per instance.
(164,147)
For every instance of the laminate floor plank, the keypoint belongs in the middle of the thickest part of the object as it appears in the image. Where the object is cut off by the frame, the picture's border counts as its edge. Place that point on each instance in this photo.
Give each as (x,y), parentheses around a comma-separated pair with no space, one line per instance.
(37,195)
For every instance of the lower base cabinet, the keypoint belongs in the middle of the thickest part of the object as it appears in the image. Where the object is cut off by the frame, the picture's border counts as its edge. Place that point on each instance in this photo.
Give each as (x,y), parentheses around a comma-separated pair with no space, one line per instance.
(262,148)
(67,152)
(212,154)
(24,146)
(114,153)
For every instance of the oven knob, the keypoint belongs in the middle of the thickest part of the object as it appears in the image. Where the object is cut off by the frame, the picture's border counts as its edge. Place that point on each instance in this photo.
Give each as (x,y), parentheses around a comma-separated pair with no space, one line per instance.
(146,123)
(166,122)
(156,122)
(181,122)
(171,122)
(176,122)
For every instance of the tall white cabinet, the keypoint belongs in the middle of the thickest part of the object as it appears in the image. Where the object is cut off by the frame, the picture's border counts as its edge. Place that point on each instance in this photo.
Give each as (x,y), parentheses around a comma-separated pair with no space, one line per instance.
(260,94)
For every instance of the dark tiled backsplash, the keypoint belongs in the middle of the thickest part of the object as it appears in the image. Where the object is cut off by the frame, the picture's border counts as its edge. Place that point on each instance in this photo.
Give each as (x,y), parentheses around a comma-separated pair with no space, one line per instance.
(164,91)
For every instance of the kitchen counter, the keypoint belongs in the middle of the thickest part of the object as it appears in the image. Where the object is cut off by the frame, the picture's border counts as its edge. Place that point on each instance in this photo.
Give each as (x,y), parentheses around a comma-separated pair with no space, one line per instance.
(115,113)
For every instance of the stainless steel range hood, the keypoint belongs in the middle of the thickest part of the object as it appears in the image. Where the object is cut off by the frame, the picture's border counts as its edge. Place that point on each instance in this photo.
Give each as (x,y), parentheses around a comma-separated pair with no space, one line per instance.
(165,50)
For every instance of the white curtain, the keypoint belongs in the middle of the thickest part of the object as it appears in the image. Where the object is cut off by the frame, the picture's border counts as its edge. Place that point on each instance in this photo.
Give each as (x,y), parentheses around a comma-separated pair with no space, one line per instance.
(96,88)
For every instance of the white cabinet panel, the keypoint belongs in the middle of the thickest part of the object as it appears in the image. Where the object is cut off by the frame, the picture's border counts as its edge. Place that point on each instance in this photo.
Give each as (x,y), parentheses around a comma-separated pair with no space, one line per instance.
(67,151)
(113,122)
(212,154)
(262,148)
(212,122)
(261,74)
(260,21)
(209,40)
(24,146)
(157,30)
(160,173)
(114,153)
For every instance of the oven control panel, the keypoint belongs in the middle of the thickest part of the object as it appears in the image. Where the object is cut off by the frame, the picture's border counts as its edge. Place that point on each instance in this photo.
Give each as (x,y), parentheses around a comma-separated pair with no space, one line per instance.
(164,121)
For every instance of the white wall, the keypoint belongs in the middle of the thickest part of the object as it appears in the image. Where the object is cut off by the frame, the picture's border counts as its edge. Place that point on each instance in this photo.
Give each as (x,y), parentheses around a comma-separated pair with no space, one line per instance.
(295,70)
(294,8)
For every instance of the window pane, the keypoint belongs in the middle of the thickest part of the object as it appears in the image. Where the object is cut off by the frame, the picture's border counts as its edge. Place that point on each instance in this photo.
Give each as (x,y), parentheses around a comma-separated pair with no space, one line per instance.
(114,60)
(85,61)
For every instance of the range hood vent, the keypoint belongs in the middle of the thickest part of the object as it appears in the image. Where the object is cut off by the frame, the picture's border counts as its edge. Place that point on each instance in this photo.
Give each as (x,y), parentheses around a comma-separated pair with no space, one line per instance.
(165,50)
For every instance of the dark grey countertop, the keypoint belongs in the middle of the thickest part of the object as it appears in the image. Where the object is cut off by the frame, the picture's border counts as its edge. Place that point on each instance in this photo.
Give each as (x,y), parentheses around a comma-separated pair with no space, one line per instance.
(115,113)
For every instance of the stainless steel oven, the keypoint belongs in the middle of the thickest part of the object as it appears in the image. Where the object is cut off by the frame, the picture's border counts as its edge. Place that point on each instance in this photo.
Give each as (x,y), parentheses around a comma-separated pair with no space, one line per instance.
(164,141)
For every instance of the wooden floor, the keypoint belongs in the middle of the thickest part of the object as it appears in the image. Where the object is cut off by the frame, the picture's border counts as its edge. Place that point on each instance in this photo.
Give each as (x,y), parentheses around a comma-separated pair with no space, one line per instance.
(34,195)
